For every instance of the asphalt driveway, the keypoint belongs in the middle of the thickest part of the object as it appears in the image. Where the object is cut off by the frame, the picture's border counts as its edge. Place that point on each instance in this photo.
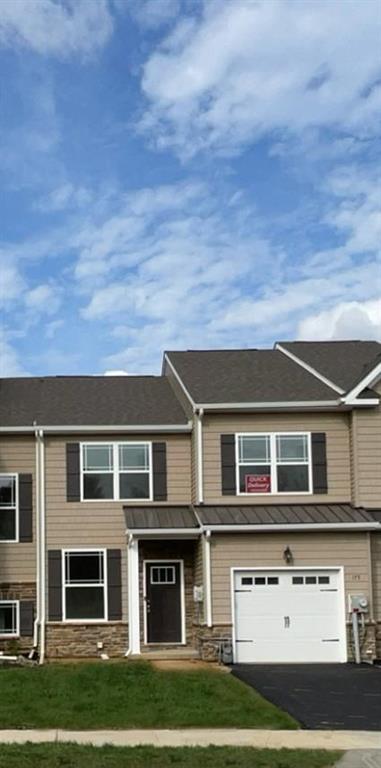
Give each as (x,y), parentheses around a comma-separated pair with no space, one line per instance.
(320,696)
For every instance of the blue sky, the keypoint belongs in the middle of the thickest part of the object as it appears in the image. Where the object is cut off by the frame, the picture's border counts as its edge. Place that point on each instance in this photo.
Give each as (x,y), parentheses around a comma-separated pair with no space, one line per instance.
(185,174)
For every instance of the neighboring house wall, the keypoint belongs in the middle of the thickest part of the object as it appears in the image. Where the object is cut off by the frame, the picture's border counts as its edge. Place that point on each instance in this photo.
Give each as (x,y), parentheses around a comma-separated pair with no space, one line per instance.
(349,550)
(101,524)
(266,550)
(335,425)
(376,565)
(18,561)
(367,456)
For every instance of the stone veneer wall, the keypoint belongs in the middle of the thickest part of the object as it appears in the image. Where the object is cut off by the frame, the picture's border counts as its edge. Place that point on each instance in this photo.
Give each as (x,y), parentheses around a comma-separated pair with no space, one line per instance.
(17,591)
(80,640)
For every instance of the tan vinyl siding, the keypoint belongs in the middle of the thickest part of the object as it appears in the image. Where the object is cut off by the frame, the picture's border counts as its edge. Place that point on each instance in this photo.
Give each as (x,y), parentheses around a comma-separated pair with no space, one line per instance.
(349,550)
(18,561)
(336,427)
(367,467)
(376,562)
(101,524)
(94,523)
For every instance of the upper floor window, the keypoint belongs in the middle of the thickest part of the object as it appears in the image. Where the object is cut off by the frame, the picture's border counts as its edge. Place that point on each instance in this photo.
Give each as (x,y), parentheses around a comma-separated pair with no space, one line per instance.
(8,508)
(273,463)
(117,471)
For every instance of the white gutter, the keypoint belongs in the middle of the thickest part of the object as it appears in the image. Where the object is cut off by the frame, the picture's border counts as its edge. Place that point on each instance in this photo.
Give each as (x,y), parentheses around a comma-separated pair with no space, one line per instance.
(265,406)
(200,460)
(36,622)
(165,532)
(208,579)
(59,429)
(284,527)
(310,369)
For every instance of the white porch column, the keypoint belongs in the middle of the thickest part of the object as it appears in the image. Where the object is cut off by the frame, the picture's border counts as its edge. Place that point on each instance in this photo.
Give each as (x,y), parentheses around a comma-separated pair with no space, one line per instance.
(133,595)
(207,579)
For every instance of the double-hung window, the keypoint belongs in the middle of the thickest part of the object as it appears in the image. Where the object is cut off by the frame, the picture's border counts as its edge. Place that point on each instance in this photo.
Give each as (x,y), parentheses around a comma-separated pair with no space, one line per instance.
(84,585)
(273,463)
(9,618)
(8,508)
(117,471)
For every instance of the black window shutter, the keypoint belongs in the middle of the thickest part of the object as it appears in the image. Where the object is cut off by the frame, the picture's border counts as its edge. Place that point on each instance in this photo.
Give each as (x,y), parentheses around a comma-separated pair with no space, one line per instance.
(228,476)
(319,462)
(26,618)
(159,461)
(72,472)
(25,508)
(55,584)
(114,584)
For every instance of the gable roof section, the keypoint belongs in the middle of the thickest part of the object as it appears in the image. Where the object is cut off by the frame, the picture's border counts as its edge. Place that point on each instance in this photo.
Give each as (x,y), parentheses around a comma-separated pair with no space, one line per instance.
(89,401)
(247,376)
(344,363)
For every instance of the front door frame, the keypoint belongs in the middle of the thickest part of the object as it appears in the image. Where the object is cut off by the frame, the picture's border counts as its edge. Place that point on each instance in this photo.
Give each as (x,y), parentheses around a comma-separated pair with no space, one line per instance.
(182,597)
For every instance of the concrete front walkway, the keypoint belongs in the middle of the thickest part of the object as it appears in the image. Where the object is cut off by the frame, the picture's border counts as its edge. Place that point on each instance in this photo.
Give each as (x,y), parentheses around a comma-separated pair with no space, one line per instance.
(197,737)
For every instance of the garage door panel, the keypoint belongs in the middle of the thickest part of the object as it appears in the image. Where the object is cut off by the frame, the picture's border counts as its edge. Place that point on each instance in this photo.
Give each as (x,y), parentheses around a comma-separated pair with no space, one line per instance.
(290,616)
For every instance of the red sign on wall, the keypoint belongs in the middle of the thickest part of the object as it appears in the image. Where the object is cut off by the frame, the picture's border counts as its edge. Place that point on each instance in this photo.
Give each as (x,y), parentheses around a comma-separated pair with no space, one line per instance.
(258,483)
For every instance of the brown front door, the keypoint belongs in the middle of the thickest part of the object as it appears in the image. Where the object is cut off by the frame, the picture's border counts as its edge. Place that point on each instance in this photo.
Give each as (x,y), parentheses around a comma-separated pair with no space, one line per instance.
(163,602)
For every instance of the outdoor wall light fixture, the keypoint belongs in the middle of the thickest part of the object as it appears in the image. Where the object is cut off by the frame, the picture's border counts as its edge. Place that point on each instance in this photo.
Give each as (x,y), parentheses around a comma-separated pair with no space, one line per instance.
(288,556)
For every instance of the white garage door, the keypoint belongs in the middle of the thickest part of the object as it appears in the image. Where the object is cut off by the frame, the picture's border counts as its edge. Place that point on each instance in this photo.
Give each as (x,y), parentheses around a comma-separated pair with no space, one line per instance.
(286,616)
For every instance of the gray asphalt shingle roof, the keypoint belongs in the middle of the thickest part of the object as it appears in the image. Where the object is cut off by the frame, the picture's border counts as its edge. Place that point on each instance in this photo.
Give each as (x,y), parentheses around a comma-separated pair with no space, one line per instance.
(344,363)
(247,376)
(89,400)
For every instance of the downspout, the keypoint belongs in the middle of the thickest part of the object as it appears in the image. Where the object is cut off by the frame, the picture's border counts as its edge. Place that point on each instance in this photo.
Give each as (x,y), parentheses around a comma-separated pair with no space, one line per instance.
(36,622)
(42,546)
(208,580)
(200,459)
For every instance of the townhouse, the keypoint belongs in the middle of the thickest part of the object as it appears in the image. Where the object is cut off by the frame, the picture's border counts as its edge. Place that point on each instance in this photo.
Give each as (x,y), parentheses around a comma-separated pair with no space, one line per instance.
(235,499)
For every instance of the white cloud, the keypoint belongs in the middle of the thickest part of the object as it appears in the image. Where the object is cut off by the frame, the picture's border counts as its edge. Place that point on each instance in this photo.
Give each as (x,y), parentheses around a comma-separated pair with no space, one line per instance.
(44,299)
(116,372)
(346,320)
(55,28)
(152,14)
(65,196)
(9,361)
(11,285)
(249,68)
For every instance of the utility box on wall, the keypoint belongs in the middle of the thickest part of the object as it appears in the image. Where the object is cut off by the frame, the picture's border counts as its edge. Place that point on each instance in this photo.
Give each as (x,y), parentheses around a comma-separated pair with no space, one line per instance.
(358,603)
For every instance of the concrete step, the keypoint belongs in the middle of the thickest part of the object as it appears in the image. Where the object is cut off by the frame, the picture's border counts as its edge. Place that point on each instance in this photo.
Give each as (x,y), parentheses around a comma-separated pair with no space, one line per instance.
(167,654)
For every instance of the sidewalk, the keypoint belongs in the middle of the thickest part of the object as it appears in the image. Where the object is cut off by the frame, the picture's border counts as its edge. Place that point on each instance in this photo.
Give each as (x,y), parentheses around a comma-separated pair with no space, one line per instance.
(196,737)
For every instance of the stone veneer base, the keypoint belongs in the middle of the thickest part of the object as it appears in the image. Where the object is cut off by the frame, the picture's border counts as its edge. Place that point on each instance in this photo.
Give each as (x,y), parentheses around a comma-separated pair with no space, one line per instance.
(80,640)
(18,590)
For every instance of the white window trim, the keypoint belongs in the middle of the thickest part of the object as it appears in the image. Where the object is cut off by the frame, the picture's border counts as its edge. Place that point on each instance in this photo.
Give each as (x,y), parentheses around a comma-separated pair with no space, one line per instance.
(16,508)
(115,471)
(7,635)
(273,463)
(85,551)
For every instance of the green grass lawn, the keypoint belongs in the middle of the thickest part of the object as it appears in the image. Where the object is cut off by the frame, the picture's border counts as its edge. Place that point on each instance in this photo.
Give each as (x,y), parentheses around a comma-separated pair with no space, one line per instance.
(130,695)
(74,756)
